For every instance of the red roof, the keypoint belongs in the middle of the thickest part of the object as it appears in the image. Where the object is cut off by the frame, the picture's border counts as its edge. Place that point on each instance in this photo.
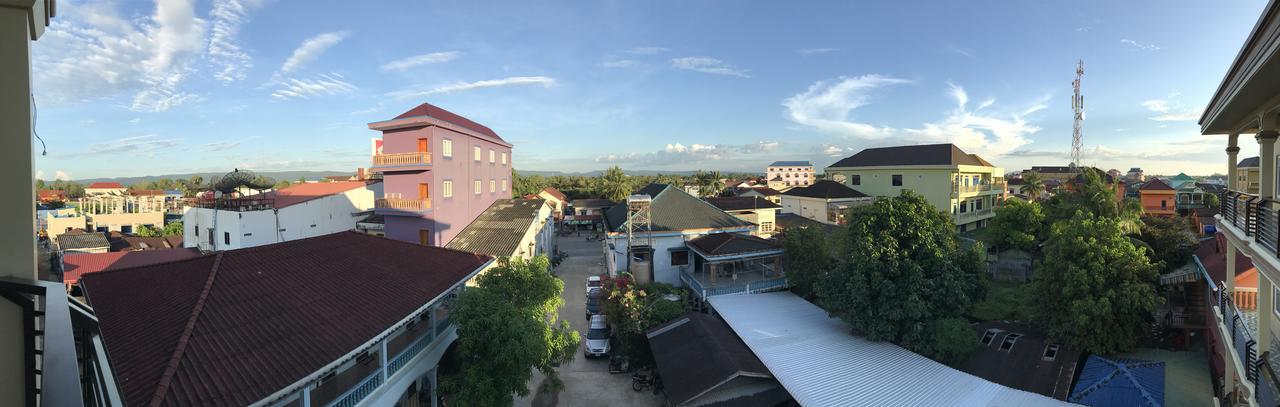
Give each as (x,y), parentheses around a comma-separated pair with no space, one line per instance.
(75,265)
(105,185)
(233,327)
(430,110)
(299,193)
(146,192)
(1155,185)
(556,193)
(51,193)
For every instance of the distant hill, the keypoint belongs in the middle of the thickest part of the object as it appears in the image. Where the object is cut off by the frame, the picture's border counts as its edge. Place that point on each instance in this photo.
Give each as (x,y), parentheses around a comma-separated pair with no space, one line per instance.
(598,172)
(277,175)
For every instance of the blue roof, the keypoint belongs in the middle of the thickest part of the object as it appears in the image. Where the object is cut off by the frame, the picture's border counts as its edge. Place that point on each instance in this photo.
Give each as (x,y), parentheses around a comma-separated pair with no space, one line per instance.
(790,164)
(1120,382)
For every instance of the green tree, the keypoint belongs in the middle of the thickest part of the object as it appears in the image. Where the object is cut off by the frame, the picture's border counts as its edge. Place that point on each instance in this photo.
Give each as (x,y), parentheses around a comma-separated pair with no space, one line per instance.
(148,231)
(633,309)
(1094,287)
(173,228)
(282,184)
(808,257)
(1016,226)
(614,184)
(902,272)
(40,184)
(1096,197)
(1211,200)
(506,328)
(1170,239)
(1032,185)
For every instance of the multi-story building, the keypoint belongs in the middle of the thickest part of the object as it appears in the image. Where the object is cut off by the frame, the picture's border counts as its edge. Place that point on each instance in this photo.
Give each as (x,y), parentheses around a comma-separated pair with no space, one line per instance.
(440,170)
(297,212)
(1248,102)
(825,201)
(1158,198)
(759,211)
(790,173)
(961,184)
(105,188)
(1135,175)
(1246,175)
(510,229)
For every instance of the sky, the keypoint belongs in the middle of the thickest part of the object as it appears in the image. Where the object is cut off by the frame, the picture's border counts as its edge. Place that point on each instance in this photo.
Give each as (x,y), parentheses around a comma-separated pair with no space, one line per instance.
(133,88)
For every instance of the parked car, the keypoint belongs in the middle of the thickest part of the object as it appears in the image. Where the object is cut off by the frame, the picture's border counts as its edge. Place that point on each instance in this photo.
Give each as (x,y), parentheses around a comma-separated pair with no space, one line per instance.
(597,337)
(594,305)
(593,284)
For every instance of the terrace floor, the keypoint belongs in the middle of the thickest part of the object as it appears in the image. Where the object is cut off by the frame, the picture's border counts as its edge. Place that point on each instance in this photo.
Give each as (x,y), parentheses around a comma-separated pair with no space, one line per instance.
(1186,377)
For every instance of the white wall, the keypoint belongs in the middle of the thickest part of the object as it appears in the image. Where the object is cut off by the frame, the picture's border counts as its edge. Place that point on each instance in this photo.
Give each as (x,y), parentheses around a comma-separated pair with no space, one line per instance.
(317,217)
(663,271)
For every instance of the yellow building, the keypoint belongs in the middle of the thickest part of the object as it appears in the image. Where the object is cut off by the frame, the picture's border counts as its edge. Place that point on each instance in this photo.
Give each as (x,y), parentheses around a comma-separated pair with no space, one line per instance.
(961,184)
(1247,175)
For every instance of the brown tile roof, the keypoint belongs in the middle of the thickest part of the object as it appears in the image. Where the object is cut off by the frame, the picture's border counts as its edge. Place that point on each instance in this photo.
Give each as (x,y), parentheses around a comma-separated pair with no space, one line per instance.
(105,185)
(925,154)
(556,193)
(766,191)
(1021,366)
(738,203)
(697,353)
(1155,185)
(720,244)
(430,110)
(1213,255)
(232,327)
(826,190)
(123,243)
(51,194)
(78,264)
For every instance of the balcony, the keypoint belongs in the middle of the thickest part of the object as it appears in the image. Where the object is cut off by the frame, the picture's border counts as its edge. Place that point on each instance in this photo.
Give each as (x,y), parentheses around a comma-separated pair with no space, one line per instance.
(411,161)
(970,216)
(395,205)
(754,279)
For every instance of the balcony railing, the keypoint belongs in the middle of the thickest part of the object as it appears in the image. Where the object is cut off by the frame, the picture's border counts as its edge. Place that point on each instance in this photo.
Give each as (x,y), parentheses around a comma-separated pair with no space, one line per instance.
(964,189)
(403,204)
(757,286)
(1242,340)
(402,159)
(1267,391)
(966,216)
(233,204)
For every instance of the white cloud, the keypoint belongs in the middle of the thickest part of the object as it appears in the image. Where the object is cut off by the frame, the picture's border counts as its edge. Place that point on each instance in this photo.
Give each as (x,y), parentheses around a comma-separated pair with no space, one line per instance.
(961,52)
(432,58)
(678,153)
(546,82)
(814,51)
(312,49)
(220,146)
(709,65)
(825,106)
(1141,46)
(147,146)
(619,63)
(320,85)
(1158,106)
(39,174)
(92,52)
(1171,111)
(61,175)
(646,50)
(135,120)
(224,48)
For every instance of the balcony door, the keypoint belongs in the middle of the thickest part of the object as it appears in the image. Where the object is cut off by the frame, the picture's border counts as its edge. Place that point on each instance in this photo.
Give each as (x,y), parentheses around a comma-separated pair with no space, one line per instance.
(422,145)
(424,237)
(423,192)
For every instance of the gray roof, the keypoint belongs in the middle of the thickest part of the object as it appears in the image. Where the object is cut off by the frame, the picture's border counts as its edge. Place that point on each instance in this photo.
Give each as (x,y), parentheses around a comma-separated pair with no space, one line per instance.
(591,203)
(826,189)
(675,209)
(498,230)
(92,240)
(1248,162)
(738,203)
(926,154)
(697,353)
(791,164)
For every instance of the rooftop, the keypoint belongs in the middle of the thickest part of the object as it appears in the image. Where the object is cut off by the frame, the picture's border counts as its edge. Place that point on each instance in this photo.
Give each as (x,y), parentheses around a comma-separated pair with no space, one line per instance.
(1155,184)
(235,326)
(1119,382)
(1022,365)
(92,240)
(75,265)
(300,193)
(791,164)
(124,243)
(724,244)
(675,209)
(435,112)
(595,203)
(739,203)
(1251,162)
(697,353)
(499,229)
(555,193)
(104,185)
(924,154)
(826,189)
(762,190)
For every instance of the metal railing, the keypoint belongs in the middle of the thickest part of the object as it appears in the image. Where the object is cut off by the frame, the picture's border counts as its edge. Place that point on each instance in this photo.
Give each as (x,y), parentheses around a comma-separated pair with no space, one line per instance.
(233,204)
(758,286)
(404,204)
(964,189)
(973,214)
(1268,226)
(1267,389)
(401,159)
(394,364)
(354,395)
(1242,340)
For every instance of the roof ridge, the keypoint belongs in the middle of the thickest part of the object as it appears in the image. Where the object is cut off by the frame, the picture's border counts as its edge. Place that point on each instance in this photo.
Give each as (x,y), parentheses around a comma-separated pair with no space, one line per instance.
(131,268)
(171,368)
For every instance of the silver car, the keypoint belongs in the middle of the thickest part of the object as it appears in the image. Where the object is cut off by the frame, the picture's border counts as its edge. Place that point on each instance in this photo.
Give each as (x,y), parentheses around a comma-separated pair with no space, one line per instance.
(597,337)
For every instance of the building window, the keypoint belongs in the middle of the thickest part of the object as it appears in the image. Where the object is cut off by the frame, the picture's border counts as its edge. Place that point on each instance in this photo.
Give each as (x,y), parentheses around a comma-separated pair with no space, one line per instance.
(504,158)
(987,337)
(897,180)
(492,156)
(504,185)
(475,151)
(446,148)
(1164,204)
(855,180)
(197,230)
(476,186)
(1009,340)
(680,258)
(493,186)
(977,205)
(964,206)
(1050,353)
(447,186)
(766,226)
(226,237)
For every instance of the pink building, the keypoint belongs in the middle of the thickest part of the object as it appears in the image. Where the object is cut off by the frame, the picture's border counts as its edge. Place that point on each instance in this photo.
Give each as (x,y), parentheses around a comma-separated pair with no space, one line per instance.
(440,170)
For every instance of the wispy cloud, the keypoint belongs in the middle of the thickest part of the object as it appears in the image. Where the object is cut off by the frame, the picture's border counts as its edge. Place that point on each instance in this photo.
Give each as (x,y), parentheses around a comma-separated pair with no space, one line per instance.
(961,52)
(1141,46)
(646,50)
(224,47)
(312,49)
(825,106)
(544,81)
(61,175)
(709,65)
(815,51)
(146,146)
(619,63)
(135,120)
(319,85)
(1169,110)
(220,146)
(424,59)
(678,153)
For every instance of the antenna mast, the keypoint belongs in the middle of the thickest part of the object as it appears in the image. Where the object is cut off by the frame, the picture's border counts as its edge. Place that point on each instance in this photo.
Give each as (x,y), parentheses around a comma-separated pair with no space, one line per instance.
(1077,105)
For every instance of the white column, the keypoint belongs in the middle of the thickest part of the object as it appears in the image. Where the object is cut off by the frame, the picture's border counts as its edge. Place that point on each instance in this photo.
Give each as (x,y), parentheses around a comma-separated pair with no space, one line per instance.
(1267,163)
(1233,152)
(18,225)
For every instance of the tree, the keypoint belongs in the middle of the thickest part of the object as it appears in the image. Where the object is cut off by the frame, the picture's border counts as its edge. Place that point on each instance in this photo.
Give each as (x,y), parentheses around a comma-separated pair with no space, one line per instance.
(1032,185)
(148,231)
(1170,239)
(1094,288)
(903,271)
(1096,197)
(506,328)
(40,184)
(807,253)
(614,184)
(633,309)
(1211,200)
(1016,226)
(173,228)
(282,184)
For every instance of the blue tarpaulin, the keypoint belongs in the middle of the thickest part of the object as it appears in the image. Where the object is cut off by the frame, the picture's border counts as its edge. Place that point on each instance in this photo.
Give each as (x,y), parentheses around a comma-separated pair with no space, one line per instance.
(1119,382)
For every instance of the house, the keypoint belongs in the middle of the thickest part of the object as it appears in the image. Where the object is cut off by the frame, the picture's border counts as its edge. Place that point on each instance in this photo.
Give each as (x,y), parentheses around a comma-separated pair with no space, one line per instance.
(51,195)
(791,173)
(1135,175)
(1247,175)
(703,363)
(1157,198)
(961,184)
(559,203)
(770,194)
(586,214)
(128,243)
(1246,103)
(510,228)
(262,325)
(1113,173)
(79,264)
(1016,355)
(297,212)
(117,210)
(1187,194)
(825,201)
(819,362)
(105,188)
(754,209)
(440,171)
(590,206)
(59,221)
(78,241)
(662,253)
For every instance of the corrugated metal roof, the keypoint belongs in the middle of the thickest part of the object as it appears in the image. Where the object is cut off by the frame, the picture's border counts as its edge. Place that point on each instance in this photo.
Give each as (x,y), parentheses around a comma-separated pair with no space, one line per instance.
(821,364)
(499,229)
(675,209)
(1120,382)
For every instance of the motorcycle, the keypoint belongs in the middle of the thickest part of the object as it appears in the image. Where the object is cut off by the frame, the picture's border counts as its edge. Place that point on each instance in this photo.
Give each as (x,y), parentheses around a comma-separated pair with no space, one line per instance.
(641,382)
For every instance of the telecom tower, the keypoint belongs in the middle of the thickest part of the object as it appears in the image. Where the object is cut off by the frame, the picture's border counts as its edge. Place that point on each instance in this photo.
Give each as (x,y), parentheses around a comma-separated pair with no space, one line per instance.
(639,219)
(1077,104)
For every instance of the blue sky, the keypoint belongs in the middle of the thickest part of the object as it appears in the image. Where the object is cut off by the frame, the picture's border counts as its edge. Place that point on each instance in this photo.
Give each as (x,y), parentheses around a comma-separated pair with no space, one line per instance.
(133,88)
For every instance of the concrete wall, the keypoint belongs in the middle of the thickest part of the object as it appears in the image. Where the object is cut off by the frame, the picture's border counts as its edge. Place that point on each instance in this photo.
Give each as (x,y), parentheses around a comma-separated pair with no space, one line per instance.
(792,176)
(58,225)
(114,221)
(317,217)
(932,182)
(663,271)
(760,217)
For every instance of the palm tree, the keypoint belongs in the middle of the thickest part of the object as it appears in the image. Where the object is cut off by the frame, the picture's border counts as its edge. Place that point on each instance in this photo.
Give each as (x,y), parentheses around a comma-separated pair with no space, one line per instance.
(709,183)
(1032,185)
(614,184)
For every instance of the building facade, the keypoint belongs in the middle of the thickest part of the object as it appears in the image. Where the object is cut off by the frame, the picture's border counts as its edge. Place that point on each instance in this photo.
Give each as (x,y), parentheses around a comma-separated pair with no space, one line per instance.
(961,184)
(790,173)
(1247,175)
(759,211)
(1158,198)
(825,201)
(297,212)
(510,229)
(440,171)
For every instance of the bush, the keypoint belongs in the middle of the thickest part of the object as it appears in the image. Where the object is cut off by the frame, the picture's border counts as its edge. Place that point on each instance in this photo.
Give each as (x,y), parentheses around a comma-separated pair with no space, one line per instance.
(952,341)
